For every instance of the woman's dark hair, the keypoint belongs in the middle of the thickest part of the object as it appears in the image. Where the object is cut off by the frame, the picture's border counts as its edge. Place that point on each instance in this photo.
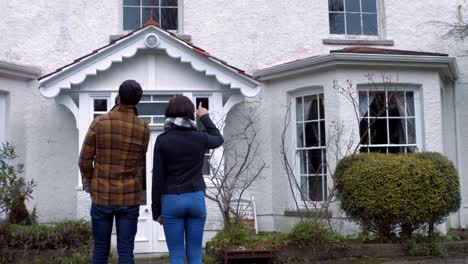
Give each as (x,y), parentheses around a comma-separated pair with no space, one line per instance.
(130,92)
(180,106)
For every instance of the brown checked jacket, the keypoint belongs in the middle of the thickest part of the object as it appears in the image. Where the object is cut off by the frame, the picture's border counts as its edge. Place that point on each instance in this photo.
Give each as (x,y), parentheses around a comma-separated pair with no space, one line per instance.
(111,155)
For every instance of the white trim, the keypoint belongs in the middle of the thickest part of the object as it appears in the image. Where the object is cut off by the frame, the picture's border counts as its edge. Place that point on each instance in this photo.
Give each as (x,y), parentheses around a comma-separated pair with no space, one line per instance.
(3,116)
(293,94)
(445,65)
(19,71)
(128,47)
(68,102)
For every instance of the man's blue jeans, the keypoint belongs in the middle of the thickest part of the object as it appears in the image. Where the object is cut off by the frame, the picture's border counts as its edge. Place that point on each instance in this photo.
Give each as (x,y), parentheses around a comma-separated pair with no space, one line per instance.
(126,221)
(183,217)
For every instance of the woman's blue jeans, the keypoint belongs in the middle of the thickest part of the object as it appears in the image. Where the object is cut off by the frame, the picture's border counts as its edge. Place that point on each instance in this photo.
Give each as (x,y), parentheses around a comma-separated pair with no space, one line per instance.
(183,217)
(126,221)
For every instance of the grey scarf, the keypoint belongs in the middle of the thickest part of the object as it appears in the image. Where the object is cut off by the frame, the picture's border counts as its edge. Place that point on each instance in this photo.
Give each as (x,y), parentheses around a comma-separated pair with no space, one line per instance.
(179,122)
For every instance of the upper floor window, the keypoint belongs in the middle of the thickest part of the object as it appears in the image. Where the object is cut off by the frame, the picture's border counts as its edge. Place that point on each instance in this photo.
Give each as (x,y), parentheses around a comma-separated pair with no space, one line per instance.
(137,12)
(311,146)
(388,121)
(353,17)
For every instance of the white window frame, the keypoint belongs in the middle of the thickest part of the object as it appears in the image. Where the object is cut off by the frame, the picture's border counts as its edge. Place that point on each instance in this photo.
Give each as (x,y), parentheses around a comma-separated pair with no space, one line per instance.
(3,116)
(153,99)
(180,20)
(417,112)
(99,97)
(295,151)
(380,23)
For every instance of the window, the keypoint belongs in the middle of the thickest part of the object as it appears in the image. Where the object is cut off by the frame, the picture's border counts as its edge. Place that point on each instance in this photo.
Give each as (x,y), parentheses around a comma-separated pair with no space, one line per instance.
(353,17)
(206,162)
(152,108)
(99,107)
(387,121)
(310,146)
(3,117)
(137,12)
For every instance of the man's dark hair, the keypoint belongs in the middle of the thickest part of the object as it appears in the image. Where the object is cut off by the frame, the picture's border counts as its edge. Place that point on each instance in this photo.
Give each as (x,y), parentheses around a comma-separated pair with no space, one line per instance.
(180,106)
(130,92)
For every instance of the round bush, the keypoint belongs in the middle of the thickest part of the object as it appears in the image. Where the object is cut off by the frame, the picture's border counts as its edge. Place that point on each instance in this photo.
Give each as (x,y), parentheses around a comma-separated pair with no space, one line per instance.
(385,193)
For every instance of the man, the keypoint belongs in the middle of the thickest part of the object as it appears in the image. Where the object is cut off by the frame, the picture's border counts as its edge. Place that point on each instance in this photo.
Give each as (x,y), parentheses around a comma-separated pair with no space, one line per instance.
(115,144)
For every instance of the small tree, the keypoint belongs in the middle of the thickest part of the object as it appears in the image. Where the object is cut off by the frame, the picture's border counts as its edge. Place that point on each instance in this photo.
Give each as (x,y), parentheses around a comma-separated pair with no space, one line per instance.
(14,189)
(235,167)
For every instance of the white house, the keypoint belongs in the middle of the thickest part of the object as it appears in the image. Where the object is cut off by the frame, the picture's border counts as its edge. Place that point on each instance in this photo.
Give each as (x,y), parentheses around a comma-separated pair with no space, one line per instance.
(61,63)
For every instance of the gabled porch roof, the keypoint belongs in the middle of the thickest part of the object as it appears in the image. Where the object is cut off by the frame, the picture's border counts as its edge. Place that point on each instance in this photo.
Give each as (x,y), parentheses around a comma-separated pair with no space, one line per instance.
(127,46)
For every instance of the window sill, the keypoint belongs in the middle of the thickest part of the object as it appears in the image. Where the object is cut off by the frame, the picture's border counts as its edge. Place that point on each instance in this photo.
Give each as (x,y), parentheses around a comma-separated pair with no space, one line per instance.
(310,213)
(185,37)
(377,42)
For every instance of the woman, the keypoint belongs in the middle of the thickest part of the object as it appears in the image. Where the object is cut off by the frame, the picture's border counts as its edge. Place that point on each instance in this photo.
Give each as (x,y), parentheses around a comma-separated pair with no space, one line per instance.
(178,200)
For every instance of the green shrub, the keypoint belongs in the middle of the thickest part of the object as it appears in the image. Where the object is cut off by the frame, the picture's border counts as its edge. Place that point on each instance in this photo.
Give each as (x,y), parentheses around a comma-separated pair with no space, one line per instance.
(68,235)
(310,233)
(388,194)
(14,190)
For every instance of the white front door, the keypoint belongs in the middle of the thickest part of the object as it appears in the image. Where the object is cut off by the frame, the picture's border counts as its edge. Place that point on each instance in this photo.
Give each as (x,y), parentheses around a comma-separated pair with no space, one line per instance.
(150,235)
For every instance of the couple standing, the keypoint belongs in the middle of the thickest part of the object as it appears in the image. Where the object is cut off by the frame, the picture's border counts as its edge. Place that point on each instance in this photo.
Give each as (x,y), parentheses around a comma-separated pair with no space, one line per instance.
(110,157)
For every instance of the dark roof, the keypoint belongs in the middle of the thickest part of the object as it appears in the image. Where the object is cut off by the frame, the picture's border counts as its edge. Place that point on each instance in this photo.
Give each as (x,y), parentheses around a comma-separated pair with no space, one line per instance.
(151,22)
(368,50)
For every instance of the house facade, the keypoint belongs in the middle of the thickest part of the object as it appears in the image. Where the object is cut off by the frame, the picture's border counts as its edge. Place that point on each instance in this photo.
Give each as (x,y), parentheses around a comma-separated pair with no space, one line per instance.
(61,63)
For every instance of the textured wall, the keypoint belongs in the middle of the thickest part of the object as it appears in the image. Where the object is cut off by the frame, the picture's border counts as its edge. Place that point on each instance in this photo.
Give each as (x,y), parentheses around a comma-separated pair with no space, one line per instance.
(46,140)
(249,34)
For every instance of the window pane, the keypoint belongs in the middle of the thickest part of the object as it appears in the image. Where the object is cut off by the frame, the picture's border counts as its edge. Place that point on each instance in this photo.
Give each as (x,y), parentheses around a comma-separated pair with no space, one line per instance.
(352,6)
(321,106)
(311,134)
(145,98)
(303,161)
(314,157)
(377,104)
(300,135)
(411,123)
(396,150)
(311,107)
(169,18)
(164,98)
(204,101)
(131,18)
(131,2)
(146,13)
(369,22)
(147,119)
(168,2)
(369,6)
(315,188)
(150,2)
(100,105)
(305,187)
(378,130)
(324,161)
(410,103)
(322,133)
(159,120)
(363,131)
(337,25)
(151,108)
(411,150)
(396,104)
(363,103)
(335,5)
(353,24)
(299,109)
(397,130)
